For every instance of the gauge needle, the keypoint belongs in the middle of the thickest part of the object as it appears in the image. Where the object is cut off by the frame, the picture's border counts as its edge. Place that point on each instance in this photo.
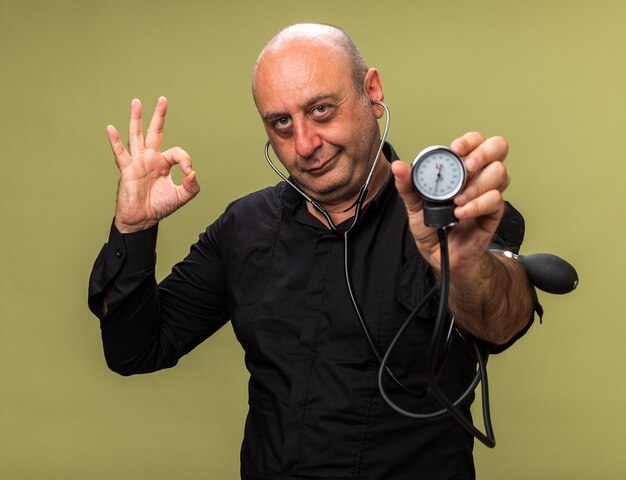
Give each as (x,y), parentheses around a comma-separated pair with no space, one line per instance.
(438,167)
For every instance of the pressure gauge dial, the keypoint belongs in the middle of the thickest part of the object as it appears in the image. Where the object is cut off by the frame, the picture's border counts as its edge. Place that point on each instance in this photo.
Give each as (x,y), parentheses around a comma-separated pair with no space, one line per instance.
(438,174)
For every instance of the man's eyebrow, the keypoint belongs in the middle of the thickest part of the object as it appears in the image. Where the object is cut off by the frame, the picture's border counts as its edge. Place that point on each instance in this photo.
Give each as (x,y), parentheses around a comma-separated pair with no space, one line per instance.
(309,103)
(319,98)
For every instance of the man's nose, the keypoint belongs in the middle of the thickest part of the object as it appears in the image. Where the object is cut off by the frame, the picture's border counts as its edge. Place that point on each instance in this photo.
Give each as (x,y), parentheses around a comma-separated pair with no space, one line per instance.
(306,139)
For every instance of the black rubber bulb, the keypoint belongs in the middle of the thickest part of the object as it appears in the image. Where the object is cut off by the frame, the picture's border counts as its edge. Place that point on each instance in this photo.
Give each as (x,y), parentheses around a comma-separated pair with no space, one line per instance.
(549,273)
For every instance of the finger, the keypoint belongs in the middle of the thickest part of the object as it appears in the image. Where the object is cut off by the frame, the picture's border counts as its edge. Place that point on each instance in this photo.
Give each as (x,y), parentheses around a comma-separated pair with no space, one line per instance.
(177,155)
(463,145)
(404,185)
(493,177)
(189,188)
(154,135)
(494,149)
(489,207)
(135,135)
(122,158)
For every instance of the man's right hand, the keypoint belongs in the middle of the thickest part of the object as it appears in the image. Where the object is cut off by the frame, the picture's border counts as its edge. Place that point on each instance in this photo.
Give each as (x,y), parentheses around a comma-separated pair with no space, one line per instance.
(146,192)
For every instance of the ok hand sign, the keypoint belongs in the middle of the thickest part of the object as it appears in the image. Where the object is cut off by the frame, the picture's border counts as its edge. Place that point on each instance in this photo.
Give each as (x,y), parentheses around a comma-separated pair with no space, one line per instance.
(146,192)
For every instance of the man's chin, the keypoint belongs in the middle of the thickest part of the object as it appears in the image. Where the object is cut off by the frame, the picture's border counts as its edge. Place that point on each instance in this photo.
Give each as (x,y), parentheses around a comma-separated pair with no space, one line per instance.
(332,193)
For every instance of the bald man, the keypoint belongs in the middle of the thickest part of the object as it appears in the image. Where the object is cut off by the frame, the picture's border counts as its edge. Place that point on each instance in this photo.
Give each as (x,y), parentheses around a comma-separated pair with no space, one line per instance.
(273,264)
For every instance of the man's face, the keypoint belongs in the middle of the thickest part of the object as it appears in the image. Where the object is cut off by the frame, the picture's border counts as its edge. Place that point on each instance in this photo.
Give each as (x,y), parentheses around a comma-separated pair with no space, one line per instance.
(319,125)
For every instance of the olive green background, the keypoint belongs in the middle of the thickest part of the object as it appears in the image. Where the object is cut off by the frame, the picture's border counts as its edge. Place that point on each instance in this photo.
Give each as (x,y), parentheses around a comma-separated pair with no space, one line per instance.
(550,76)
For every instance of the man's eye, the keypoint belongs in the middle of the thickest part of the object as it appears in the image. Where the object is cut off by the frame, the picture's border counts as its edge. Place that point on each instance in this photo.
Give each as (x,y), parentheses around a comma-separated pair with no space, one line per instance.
(282,122)
(321,111)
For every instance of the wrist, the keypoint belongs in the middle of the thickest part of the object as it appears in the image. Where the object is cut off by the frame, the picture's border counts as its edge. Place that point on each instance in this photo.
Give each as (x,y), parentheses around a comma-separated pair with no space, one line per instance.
(470,273)
(123,227)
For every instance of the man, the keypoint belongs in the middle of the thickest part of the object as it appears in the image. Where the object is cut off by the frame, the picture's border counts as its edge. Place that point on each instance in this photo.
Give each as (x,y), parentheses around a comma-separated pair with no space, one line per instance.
(272,265)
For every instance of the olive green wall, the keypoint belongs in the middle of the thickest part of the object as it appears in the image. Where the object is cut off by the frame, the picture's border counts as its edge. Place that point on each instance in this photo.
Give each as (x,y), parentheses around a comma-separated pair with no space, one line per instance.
(548,75)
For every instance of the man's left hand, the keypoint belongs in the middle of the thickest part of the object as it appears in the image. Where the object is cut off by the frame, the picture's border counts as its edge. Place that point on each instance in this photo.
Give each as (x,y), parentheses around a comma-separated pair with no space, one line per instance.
(479,206)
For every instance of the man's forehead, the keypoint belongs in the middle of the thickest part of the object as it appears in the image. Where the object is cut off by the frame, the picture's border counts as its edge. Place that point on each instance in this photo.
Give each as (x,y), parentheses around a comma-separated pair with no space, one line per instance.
(302,65)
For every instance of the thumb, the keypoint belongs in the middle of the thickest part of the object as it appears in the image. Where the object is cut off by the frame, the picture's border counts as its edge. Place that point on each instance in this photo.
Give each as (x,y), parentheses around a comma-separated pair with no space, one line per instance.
(189,188)
(404,184)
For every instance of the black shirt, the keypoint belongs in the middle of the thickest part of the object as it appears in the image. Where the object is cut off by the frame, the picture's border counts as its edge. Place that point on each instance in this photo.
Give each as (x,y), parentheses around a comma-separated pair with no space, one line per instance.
(277,273)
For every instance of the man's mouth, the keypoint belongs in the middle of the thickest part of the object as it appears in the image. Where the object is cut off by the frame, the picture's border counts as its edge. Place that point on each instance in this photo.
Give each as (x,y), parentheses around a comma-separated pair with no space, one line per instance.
(322,167)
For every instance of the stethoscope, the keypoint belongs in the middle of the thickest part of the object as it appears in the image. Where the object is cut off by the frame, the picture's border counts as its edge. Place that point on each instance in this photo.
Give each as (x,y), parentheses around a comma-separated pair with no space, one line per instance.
(358,207)
(547,272)
(358,204)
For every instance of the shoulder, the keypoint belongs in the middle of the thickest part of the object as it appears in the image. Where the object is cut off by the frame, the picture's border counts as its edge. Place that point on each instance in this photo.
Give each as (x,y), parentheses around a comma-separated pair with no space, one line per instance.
(264,198)
(252,216)
(264,201)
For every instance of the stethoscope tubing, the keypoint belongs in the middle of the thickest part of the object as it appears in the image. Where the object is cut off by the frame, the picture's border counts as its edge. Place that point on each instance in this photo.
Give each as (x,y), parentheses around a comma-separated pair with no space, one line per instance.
(435,358)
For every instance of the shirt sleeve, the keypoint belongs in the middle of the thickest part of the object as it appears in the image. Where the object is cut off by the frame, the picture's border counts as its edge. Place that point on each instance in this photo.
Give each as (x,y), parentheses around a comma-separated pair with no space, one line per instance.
(148,326)
(123,264)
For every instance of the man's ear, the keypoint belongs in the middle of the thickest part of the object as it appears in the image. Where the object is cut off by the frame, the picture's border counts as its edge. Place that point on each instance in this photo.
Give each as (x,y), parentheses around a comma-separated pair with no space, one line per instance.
(373,88)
